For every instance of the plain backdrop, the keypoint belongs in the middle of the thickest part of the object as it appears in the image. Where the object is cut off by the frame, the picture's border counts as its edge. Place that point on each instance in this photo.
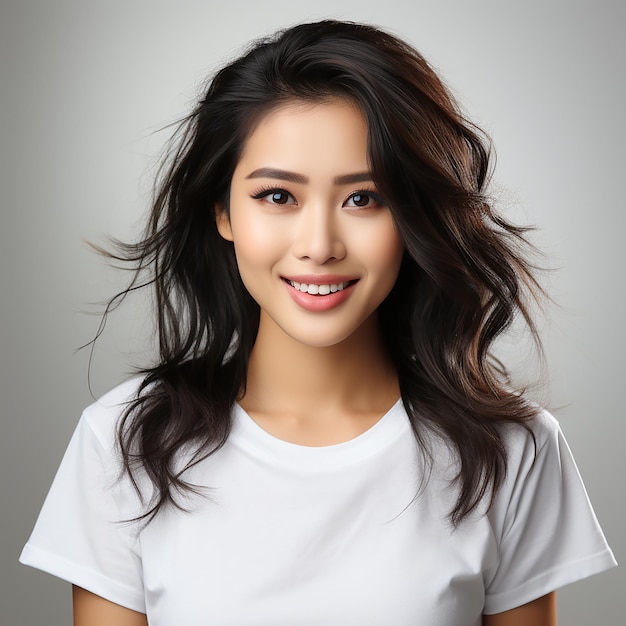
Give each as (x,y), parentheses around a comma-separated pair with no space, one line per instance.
(86,85)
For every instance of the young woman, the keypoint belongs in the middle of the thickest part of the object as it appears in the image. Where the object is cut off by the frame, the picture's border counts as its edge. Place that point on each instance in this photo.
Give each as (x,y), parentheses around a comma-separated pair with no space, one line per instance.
(326,438)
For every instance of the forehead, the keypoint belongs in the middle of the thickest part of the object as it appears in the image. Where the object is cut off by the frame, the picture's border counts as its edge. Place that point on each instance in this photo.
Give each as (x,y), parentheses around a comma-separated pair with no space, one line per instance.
(308,137)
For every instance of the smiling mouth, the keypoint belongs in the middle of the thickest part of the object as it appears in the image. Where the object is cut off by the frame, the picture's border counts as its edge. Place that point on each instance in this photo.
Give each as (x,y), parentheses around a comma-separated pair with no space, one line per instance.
(319,289)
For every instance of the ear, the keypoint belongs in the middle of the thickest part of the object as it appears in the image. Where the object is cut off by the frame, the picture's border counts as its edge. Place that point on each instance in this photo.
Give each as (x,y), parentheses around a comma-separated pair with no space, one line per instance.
(222,222)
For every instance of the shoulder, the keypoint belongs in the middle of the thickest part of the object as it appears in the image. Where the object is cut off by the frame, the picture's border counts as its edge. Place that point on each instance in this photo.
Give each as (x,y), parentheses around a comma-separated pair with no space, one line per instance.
(524,442)
(102,417)
(540,470)
(543,524)
(545,427)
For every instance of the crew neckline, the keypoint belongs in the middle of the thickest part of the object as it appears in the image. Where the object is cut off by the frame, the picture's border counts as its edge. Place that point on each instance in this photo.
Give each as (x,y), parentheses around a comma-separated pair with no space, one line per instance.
(248,435)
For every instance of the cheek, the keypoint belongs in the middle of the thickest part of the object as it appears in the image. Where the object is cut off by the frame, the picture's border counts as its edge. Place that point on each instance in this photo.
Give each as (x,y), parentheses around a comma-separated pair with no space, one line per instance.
(248,231)
(257,243)
(386,252)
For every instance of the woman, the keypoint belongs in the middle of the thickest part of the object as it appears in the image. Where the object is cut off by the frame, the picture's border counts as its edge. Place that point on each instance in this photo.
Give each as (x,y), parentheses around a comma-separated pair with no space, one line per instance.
(326,437)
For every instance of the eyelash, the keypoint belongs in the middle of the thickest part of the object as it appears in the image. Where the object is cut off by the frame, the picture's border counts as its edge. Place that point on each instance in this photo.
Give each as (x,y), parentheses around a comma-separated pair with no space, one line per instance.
(263,192)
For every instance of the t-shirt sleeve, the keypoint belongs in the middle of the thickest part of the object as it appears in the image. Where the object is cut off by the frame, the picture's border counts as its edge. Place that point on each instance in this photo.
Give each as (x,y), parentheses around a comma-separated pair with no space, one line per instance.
(548,535)
(81,535)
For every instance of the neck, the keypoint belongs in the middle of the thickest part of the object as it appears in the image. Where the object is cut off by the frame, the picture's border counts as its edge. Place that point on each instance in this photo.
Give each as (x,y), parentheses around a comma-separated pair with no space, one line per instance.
(286,376)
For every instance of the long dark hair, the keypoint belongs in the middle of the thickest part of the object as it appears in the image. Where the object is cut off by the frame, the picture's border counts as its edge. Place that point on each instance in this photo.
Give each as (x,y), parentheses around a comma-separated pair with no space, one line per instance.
(462,282)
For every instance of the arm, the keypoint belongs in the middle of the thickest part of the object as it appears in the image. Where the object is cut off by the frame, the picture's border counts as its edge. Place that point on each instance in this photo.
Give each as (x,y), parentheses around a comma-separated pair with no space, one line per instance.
(540,612)
(92,610)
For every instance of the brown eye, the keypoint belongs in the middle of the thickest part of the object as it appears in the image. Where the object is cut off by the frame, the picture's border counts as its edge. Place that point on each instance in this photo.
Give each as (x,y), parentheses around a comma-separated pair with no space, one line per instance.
(360,199)
(278,197)
(275,196)
(364,200)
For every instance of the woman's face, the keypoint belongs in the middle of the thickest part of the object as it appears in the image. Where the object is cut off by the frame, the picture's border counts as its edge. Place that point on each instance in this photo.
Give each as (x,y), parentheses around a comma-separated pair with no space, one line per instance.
(316,246)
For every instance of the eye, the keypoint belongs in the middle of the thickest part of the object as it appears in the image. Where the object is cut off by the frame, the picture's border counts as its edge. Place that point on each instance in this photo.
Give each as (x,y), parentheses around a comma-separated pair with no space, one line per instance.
(363,200)
(275,196)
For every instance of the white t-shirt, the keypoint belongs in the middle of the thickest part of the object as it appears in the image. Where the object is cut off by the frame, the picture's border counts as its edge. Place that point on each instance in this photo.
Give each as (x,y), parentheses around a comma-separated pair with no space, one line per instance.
(301,535)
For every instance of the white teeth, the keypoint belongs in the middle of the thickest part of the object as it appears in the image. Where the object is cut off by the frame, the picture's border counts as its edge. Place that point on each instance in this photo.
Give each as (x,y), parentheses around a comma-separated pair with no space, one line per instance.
(316,289)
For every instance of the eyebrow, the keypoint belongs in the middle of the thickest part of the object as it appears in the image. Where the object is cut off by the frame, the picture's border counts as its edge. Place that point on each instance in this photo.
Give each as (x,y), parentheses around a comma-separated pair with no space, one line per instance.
(293,177)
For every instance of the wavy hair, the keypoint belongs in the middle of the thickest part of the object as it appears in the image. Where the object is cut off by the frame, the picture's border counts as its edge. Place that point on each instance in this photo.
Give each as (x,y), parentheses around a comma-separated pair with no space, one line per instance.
(464,277)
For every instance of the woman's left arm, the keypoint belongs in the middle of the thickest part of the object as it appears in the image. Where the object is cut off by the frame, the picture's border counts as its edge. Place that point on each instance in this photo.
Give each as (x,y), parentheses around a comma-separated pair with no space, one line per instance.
(539,612)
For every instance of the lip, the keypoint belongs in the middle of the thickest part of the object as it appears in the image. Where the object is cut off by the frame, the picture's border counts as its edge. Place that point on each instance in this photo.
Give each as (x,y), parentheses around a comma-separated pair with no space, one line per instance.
(316,303)
(321,279)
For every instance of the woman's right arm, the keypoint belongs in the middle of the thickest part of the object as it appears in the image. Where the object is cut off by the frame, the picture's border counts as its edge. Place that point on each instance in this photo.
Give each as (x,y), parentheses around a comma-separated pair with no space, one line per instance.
(92,610)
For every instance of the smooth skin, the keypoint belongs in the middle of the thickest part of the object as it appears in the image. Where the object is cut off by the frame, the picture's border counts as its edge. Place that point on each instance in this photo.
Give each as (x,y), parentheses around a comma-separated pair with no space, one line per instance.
(303,203)
(92,610)
(539,612)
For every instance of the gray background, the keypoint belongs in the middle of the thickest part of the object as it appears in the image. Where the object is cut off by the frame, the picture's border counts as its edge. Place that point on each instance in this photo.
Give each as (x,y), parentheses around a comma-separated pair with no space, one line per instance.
(84,87)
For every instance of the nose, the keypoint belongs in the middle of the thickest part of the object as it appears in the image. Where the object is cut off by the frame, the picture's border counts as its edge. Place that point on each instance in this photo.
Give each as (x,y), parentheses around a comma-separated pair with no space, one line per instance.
(318,236)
